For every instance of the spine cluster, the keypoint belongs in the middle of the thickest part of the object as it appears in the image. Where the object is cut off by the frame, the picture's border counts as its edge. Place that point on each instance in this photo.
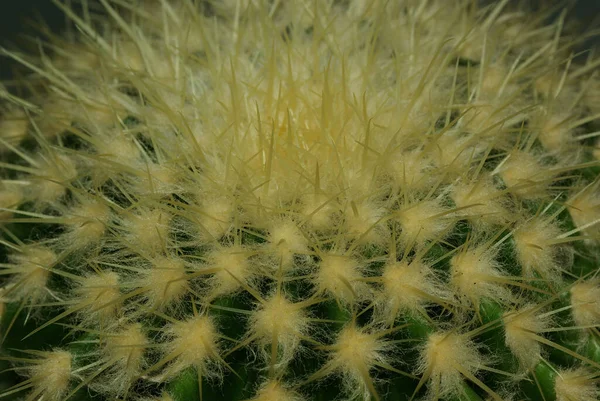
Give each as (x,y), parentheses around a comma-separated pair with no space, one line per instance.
(301,200)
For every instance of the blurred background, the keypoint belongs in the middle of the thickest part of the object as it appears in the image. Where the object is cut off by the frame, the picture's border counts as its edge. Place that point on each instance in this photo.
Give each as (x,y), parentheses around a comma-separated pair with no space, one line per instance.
(14,15)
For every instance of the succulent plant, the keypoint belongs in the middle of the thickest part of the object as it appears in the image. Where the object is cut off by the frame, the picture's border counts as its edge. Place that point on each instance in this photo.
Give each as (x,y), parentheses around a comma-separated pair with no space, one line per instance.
(279,200)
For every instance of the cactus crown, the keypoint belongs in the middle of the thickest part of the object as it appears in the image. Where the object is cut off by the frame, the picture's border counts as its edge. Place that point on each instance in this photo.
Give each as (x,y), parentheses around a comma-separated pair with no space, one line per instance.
(301,200)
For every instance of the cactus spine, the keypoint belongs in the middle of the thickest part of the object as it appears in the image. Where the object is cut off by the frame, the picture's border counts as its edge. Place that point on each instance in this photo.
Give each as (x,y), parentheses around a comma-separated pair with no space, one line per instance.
(301,200)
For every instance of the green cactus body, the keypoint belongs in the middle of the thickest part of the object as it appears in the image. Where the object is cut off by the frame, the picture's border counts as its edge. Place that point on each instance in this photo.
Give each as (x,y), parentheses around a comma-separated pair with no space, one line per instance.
(301,200)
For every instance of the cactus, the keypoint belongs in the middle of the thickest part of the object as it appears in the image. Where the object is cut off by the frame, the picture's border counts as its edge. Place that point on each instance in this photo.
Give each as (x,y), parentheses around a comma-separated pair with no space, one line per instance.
(301,200)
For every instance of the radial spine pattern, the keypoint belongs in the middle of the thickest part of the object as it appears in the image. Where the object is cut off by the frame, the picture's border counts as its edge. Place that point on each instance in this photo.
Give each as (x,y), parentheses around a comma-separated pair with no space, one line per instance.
(279,200)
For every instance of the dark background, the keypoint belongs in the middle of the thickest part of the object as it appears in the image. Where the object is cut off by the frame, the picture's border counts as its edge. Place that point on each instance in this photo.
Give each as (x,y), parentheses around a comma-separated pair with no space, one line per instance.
(14,13)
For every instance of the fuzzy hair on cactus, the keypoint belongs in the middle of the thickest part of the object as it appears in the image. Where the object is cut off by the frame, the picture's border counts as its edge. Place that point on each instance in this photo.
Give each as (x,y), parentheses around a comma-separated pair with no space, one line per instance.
(280,200)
